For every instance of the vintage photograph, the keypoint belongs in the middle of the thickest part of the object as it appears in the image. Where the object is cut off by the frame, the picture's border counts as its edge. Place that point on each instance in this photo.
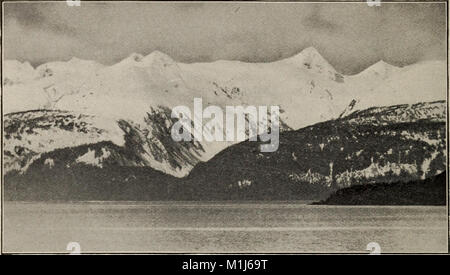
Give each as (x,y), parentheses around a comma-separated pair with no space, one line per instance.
(224,127)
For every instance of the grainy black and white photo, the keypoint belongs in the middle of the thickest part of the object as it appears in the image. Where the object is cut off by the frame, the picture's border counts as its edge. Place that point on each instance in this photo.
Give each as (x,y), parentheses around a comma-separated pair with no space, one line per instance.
(224,127)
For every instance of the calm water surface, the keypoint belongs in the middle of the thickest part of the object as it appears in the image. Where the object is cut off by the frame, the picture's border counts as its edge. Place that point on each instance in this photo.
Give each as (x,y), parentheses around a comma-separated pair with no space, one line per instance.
(221,227)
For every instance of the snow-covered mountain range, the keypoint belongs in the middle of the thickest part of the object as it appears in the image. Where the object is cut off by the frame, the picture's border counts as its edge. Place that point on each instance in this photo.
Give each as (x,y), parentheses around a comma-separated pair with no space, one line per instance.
(130,102)
(380,145)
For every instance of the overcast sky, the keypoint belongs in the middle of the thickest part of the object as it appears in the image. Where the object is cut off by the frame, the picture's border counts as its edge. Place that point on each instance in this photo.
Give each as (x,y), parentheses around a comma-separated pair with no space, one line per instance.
(350,36)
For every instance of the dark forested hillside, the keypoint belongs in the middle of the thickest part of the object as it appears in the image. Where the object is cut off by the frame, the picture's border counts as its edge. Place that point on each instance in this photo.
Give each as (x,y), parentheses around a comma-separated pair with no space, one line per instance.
(385,144)
(400,143)
(431,191)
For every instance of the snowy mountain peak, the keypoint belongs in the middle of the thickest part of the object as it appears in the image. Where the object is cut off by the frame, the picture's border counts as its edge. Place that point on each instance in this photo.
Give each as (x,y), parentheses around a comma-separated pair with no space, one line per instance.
(309,58)
(309,51)
(75,60)
(154,59)
(12,66)
(382,65)
(380,69)
(157,57)
(17,72)
(16,63)
(73,70)
(132,58)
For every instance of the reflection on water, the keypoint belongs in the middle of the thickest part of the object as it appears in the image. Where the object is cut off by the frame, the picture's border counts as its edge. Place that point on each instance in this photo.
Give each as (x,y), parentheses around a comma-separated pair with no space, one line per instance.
(222,227)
